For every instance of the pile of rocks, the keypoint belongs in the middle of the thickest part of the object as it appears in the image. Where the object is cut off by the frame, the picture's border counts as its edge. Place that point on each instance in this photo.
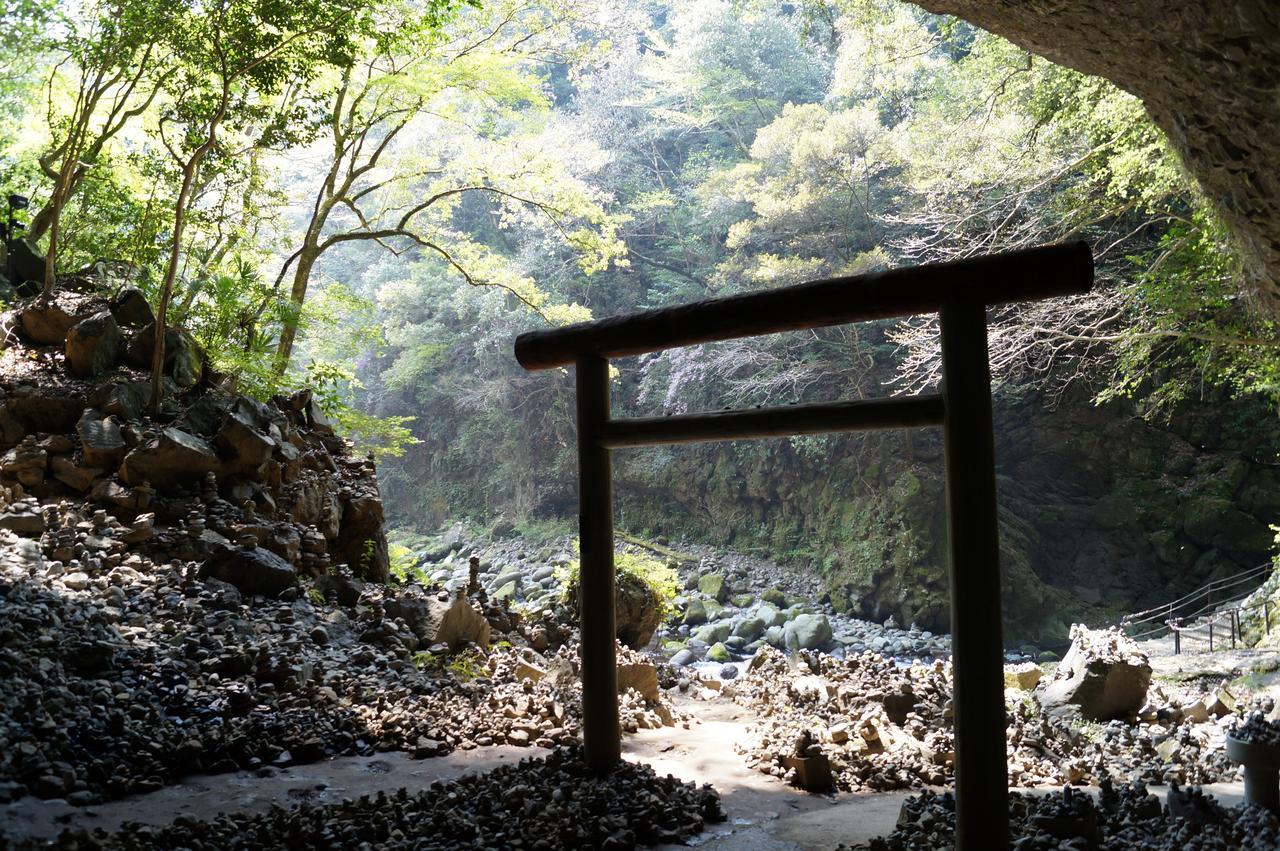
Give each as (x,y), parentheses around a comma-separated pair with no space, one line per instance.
(1103,676)
(554,802)
(1122,818)
(123,674)
(887,726)
(211,473)
(1256,729)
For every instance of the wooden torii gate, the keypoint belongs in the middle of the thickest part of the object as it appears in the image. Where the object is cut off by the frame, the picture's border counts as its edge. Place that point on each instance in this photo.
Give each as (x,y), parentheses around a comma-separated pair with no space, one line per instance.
(960,293)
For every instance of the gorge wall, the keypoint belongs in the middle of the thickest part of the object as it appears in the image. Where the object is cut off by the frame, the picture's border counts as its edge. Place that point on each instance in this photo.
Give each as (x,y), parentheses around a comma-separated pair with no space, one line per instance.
(1101,512)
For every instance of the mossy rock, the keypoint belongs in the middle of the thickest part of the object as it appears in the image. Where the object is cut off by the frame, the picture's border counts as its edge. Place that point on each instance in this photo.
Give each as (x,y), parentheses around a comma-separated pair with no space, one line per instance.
(718,653)
(695,613)
(743,601)
(775,597)
(714,586)
(713,633)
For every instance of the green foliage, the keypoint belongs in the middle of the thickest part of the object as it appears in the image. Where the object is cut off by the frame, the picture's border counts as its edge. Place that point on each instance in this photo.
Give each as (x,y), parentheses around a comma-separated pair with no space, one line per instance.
(403,565)
(465,666)
(651,573)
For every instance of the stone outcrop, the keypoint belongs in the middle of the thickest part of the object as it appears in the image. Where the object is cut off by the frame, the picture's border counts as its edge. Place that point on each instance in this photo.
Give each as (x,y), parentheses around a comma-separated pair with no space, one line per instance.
(1103,676)
(171,458)
(215,470)
(454,623)
(1208,74)
(131,309)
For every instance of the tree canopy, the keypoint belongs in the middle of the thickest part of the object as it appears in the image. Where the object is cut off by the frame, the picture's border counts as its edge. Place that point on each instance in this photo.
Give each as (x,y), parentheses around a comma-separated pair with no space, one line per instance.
(374,198)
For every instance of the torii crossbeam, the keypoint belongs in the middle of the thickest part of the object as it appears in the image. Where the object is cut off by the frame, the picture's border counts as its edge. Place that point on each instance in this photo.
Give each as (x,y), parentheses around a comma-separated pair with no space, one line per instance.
(960,293)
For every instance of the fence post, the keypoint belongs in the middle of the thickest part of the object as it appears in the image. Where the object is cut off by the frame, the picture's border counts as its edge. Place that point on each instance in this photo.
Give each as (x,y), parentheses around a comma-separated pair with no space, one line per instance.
(1210,635)
(1266,612)
(1234,627)
(1177,638)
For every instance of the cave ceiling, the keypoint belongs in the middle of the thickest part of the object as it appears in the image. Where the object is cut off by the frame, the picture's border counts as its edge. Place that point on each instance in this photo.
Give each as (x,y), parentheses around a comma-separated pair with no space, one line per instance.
(1209,75)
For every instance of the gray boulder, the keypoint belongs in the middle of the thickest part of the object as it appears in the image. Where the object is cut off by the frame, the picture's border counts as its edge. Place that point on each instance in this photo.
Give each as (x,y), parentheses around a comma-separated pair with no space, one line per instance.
(695,613)
(714,586)
(101,441)
(807,632)
(253,571)
(749,629)
(1103,676)
(713,633)
(246,448)
(130,308)
(171,458)
(92,344)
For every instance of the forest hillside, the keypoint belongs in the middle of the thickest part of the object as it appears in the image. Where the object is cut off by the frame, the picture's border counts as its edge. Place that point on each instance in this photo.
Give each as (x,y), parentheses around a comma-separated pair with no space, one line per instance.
(373,200)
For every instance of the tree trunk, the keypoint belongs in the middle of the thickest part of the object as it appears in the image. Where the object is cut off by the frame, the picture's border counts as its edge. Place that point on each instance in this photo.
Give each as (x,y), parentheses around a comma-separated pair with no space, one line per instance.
(170,275)
(301,279)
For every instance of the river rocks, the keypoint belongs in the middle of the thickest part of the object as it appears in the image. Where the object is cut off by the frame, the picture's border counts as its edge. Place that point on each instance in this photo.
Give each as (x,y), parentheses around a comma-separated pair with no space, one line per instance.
(253,571)
(749,628)
(713,585)
(807,632)
(91,345)
(695,613)
(713,632)
(1103,676)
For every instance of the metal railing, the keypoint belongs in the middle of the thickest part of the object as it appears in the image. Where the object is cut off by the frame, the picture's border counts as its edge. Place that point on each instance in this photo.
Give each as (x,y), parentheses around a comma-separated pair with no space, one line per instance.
(1201,613)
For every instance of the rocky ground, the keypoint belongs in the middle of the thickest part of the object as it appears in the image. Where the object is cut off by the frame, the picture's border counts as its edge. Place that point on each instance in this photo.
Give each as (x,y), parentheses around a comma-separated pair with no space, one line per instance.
(1124,817)
(728,607)
(205,590)
(547,803)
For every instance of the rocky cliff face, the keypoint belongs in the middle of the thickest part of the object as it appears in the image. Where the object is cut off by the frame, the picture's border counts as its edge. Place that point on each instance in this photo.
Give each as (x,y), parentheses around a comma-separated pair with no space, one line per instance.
(1207,73)
(1101,512)
(213,472)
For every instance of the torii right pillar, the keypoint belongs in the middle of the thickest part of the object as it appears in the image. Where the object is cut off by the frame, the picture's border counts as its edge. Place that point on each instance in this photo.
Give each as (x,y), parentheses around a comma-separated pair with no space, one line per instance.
(977,643)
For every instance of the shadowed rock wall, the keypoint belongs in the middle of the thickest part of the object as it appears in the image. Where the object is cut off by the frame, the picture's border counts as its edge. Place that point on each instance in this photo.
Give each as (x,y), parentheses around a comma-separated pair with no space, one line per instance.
(1209,75)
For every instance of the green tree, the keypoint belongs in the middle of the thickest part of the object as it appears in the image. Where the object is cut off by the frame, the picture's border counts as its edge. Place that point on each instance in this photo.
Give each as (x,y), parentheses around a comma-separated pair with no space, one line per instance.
(234,59)
(111,64)
(433,105)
